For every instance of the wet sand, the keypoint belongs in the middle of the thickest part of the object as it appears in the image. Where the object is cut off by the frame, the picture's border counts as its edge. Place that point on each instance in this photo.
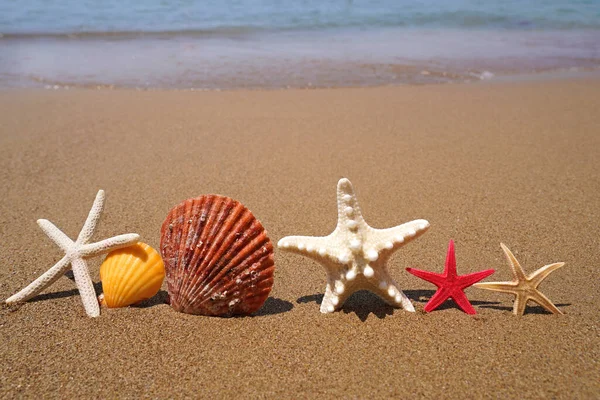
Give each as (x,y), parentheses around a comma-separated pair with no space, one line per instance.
(485,163)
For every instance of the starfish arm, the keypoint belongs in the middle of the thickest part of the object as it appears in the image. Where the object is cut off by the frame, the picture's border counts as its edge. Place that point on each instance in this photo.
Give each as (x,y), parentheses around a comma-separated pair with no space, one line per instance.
(538,276)
(330,301)
(317,248)
(348,208)
(389,292)
(92,220)
(406,303)
(86,287)
(106,245)
(545,302)
(432,277)
(520,304)
(440,296)
(470,279)
(506,287)
(450,265)
(57,236)
(41,283)
(460,298)
(514,264)
(389,240)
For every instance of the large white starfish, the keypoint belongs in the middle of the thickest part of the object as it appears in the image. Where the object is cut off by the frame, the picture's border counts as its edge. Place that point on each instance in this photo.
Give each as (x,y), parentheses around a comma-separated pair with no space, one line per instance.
(354,254)
(75,254)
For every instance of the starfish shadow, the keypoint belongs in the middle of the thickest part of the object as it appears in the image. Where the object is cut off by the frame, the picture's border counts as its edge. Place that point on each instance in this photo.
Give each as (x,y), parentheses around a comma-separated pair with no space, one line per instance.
(419,296)
(64,293)
(530,309)
(423,296)
(362,303)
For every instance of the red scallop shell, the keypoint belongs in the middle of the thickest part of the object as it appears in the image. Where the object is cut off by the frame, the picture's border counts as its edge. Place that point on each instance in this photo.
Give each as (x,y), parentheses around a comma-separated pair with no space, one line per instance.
(218,258)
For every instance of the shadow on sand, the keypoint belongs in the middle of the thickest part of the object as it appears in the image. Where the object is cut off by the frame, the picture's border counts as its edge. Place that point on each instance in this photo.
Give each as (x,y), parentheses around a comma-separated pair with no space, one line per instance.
(423,296)
(532,308)
(64,293)
(362,303)
(274,306)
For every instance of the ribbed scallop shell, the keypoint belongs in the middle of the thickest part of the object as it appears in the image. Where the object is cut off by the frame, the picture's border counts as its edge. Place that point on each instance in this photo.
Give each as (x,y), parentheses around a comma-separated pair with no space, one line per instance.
(131,274)
(218,258)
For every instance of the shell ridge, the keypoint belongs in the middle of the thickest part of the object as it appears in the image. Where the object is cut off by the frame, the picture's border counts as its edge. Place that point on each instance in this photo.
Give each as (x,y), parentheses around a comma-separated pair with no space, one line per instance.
(143,285)
(149,282)
(247,270)
(211,215)
(137,276)
(188,207)
(168,251)
(250,282)
(165,247)
(116,274)
(225,273)
(206,205)
(130,276)
(245,259)
(228,246)
(210,262)
(104,274)
(219,243)
(247,250)
(125,275)
(196,242)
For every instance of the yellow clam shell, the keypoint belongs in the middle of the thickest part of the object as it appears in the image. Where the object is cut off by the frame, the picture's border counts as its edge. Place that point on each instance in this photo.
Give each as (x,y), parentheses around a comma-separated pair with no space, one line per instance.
(131,274)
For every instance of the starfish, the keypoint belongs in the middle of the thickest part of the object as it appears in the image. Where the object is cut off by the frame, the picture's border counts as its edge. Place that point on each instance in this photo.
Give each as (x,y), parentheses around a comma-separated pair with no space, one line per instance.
(76,252)
(450,285)
(524,287)
(354,254)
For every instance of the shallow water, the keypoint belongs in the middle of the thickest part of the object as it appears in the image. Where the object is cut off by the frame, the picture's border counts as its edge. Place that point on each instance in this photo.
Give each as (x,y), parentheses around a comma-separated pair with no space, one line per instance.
(249,44)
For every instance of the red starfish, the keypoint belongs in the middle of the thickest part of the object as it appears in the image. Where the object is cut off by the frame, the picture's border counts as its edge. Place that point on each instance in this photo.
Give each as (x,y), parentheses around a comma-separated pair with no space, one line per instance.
(450,285)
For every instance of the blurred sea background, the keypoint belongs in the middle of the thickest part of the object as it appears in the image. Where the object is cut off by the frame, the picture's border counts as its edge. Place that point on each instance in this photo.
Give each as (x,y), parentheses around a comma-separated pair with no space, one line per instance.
(209,44)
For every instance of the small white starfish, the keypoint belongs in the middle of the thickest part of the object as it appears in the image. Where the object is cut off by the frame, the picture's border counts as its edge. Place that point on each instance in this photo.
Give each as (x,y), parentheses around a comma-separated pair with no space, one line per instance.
(75,254)
(354,254)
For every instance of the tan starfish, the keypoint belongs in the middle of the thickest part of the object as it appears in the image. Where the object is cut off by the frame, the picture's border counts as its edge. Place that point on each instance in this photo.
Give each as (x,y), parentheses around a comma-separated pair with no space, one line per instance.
(354,254)
(76,252)
(524,287)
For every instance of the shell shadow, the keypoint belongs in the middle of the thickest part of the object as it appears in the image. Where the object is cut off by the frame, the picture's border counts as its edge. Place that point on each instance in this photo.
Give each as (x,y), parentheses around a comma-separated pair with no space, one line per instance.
(362,303)
(159,298)
(530,309)
(273,306)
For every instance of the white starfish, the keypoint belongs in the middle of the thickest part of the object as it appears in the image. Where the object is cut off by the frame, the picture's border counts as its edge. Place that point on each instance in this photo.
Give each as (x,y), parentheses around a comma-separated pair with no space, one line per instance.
(75,254)
(354,254)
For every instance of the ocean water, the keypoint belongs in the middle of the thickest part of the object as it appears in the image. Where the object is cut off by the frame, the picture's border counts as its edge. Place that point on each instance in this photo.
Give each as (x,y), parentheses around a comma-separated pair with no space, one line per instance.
(207,44)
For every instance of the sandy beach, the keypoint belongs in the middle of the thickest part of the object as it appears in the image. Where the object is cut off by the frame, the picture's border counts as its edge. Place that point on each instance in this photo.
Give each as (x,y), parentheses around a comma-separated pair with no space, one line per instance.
(484,163)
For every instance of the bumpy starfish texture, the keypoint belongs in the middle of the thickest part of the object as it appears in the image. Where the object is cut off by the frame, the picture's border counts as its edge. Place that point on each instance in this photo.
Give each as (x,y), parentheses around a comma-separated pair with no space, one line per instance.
(354,254)
(450,284)
(524,287)
(76,252)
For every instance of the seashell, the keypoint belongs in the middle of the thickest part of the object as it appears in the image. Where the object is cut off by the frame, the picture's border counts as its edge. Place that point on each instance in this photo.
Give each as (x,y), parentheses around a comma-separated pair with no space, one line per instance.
(218,258)
(130,275)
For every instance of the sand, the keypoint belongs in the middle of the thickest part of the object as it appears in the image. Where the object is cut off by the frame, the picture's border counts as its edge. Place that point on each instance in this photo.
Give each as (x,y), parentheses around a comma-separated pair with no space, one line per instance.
(485,163)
